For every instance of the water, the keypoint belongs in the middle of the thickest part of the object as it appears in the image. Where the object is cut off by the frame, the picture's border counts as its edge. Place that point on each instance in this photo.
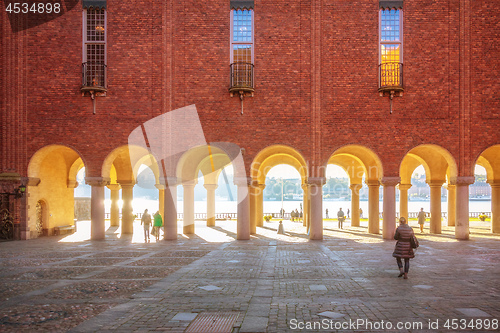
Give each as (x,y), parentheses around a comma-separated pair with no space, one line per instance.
(140,204)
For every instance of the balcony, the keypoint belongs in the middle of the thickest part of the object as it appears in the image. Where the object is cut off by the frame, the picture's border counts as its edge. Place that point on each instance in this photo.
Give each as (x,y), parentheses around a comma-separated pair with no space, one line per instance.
(241,78)
(93,77)
(391,77)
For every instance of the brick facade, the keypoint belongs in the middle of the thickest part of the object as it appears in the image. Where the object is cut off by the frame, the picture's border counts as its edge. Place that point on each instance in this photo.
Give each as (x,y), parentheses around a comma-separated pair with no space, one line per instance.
(316,79)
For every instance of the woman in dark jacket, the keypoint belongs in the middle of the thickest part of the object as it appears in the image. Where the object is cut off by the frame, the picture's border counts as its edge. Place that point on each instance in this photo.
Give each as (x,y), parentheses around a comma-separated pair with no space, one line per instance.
(403,247)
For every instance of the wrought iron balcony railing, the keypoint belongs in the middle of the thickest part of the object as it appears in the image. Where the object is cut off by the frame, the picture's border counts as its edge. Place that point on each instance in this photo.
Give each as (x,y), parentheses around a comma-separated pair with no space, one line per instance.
(241,77)
(94,76)
(391,76)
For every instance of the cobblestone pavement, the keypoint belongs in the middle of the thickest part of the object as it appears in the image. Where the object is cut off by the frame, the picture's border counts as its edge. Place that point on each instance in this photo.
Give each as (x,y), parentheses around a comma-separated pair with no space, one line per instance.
(272,283)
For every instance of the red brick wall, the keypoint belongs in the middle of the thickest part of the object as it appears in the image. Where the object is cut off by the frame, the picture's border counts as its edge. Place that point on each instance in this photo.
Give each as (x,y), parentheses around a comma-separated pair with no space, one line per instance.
(163,56)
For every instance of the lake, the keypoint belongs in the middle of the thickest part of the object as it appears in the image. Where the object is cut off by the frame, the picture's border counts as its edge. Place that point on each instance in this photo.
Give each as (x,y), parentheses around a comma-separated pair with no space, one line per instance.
(140,204)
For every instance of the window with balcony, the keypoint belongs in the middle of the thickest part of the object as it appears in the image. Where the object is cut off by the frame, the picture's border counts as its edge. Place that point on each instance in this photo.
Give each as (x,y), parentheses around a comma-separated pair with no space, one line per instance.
(242,47)
(391,49)
(94,47)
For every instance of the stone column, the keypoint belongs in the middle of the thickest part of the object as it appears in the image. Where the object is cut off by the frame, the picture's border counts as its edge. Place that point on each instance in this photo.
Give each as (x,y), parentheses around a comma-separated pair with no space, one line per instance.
(161,200)
(435,221)
(211,204)
(29,182)
(259,206)
(495,206)
(389,220)
(114,213)
(355,204)
(316,195)
(243,219)
(462,207)
(373,206)
(127,209)
(452,198)
(305,203)
(97,226)
(188,227)
(170,209)
(403,200)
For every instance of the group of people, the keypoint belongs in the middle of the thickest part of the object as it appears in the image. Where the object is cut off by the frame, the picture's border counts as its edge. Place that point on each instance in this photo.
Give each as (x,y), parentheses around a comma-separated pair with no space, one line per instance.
(296,216)
(157,224)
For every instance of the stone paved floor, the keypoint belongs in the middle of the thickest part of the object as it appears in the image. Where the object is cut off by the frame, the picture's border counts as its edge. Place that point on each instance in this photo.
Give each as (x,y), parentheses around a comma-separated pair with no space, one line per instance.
(271,283)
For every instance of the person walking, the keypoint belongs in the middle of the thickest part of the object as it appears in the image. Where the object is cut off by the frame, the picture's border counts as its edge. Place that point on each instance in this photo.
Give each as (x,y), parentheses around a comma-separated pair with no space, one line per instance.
(327,213)
(348,212)
(403,249)
(157,224)
(146,222)
(340,216)
(421,219)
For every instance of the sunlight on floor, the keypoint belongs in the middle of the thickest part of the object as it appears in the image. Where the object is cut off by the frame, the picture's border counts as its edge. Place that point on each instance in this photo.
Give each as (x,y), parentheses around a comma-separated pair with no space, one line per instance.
(295,232)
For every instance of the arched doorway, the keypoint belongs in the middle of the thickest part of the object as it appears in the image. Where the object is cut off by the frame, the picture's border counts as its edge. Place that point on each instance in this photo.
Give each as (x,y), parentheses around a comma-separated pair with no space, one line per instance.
(440,168)
(490,161)
(361,163)
(52,171)
(264,161)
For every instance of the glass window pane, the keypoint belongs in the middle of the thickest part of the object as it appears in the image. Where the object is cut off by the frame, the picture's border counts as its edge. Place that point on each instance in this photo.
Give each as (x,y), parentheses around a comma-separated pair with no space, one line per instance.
(242,53)
(389,53)
(95,25)
(390,25)
(242,26)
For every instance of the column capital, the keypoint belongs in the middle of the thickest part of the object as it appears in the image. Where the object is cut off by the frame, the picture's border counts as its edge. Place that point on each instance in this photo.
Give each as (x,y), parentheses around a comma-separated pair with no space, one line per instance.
(449,186)
(463,181)
(212,187)
(256,184)
(160,186)
(170,181)
(355,186)
(72,184)
(113,187)
(390,181)
(124,183)
(372,182)
(32,181)
(494,182)
(97,181)
(188,183)
(242,181)
(435,182)
(404,187)
(316,181)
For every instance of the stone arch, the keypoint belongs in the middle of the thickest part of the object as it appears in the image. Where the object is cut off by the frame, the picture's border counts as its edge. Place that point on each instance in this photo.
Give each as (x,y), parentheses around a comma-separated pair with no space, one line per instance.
(210,160)
(438,163)
(359,161)
(119,170)
(51,171)
(274,155)
(263,162)
(440,167)
(490,160)
(356,159)
(150,162)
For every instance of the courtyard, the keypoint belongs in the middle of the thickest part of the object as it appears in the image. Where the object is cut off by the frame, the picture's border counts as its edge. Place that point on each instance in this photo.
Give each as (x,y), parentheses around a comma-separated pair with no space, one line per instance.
(208,282)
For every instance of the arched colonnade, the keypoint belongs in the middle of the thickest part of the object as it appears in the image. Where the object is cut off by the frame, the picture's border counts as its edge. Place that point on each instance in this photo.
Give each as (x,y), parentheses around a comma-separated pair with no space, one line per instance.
(52,178)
